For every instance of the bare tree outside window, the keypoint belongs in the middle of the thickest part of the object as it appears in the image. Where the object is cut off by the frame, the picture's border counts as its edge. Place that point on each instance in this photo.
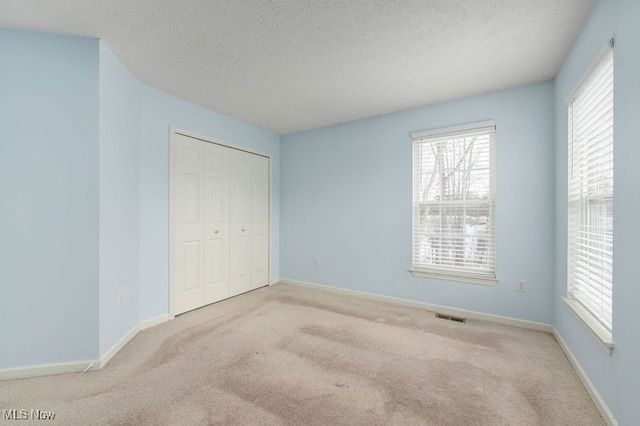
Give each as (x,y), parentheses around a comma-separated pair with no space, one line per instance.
(453,202)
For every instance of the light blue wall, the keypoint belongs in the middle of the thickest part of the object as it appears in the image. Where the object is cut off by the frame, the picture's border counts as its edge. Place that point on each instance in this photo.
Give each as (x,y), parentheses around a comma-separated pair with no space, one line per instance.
(84,201)
(119,199)
(346,198)
(158,112)
(48,198)
(615,376)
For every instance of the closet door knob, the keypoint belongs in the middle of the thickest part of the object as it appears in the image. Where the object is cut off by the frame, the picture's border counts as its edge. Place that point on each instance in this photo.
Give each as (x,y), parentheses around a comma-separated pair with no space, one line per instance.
(216,231)
(242,229)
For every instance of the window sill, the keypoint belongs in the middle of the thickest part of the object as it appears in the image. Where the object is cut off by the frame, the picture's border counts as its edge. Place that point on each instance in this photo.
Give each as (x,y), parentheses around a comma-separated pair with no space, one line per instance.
(599,333)
(471,279)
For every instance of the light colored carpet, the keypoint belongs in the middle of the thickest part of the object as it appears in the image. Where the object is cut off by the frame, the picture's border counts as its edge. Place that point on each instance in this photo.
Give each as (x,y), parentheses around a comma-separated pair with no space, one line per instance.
(302,356)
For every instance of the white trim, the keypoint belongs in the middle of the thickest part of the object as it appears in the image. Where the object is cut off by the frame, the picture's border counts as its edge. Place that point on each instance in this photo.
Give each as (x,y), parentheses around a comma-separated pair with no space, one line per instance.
(271,217)
(597,330)
(602,407)
(104,360)
(463,277)
(442,131)
(152,322)
(447,310)
(274,281)
(81,366)
(172,196)
(46,370)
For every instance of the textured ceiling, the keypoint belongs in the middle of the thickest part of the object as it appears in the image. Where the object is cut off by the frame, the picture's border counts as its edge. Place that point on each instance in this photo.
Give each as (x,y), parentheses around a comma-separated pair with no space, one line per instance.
(288,65)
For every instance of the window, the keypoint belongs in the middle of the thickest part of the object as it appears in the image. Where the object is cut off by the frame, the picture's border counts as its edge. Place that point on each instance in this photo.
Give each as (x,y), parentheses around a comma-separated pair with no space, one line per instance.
(590,199)
(453,203)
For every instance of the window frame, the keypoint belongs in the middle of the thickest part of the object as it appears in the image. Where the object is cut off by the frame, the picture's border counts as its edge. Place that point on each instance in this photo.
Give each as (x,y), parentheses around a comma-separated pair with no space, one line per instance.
(466,275)
(596,326)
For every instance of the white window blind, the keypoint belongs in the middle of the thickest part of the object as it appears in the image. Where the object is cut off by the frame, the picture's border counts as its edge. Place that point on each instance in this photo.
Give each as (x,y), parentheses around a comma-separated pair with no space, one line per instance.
(590,193)
(453,201)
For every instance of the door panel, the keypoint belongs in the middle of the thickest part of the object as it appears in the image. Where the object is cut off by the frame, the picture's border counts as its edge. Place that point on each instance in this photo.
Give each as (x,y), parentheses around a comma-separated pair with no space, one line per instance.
(216,284)
(216,227)
(241,265)
(240,198)
(191,201)
(191,266)
(187,270)
(215,201)
(259,221)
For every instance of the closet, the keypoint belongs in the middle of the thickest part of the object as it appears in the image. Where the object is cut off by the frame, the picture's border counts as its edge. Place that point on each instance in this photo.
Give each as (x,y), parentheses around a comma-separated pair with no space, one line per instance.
(219,213)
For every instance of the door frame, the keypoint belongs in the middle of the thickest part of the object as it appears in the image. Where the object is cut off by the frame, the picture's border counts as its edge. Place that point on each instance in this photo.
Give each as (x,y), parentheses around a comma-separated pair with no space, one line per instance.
(173,132)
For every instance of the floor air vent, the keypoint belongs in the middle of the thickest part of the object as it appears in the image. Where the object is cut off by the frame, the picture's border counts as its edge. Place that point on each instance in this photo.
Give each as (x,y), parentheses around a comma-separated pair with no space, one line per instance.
(451,318)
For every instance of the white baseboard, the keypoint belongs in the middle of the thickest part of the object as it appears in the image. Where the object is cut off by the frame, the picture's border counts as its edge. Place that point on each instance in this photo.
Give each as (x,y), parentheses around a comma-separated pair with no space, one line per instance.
(104,360)
(447,310)
(606,414)
(152,322)
(274,281)
(46,370)
(81,366)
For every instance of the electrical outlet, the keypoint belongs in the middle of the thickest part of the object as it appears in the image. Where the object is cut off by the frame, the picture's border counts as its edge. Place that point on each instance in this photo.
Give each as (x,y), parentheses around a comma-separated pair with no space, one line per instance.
(521,285)
(120,300)
(316,261)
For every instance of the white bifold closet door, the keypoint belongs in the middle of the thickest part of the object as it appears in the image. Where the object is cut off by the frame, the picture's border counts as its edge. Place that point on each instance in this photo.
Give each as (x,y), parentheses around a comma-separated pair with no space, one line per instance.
(259,221)
(220,217)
